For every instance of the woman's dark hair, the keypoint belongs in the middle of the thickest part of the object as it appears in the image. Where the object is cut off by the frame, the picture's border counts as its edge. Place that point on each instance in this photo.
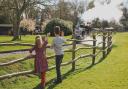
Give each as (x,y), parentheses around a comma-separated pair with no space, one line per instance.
(57,30)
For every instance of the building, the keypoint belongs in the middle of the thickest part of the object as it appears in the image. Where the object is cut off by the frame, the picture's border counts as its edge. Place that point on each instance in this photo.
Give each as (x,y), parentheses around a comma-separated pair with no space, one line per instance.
(6,29)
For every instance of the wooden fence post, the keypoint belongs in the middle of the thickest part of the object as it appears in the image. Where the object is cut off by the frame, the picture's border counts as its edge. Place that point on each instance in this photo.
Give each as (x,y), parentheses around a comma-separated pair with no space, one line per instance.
(104,43)
(108,39)
(94,49)
(73,54)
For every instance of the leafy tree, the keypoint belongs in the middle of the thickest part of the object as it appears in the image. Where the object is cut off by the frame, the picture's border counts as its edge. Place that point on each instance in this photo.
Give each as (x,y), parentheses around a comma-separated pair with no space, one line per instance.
(66,26)
(115,25)
(124,19)
(104,24)
(96,23)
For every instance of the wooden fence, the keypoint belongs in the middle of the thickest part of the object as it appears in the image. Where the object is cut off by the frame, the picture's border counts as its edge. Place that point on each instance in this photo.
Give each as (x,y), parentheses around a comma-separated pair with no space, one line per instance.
(104,49)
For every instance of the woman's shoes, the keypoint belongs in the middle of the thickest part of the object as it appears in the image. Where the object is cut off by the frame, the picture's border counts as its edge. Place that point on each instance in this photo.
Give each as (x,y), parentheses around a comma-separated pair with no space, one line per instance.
(42,87)
(57,81)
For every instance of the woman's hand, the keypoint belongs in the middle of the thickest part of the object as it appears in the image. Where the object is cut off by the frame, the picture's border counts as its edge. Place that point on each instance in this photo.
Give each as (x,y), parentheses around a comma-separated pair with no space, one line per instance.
(30,54)
(62,33)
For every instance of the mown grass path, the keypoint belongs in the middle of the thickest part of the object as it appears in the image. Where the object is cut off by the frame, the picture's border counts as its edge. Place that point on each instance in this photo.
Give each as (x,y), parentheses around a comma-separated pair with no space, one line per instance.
(112,73)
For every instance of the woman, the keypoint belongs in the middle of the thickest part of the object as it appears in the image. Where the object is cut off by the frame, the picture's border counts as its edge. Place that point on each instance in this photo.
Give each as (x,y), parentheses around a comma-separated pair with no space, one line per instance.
(40,63)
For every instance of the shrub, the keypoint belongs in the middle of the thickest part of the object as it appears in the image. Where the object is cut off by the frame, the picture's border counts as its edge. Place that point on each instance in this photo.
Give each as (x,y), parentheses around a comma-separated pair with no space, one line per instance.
(29,24)
(65,26)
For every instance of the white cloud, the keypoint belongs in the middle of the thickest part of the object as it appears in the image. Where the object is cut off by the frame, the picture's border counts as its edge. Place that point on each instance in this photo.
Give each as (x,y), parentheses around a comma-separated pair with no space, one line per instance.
(108,12)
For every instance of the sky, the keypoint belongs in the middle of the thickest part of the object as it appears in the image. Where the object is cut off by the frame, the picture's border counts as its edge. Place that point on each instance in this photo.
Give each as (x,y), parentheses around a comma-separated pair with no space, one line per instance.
(109,12)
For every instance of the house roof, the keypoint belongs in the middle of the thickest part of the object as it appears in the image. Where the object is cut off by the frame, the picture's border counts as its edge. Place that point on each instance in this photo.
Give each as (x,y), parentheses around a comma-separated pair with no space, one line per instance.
(6,25)
(110,28)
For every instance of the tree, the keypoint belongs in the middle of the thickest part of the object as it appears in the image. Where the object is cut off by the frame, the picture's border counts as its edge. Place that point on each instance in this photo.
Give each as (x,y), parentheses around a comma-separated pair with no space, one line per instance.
(90,5)
(4,15)
(77,8)
(68,10)
(4,19)
(104,24)
(45,15)
(29,24)
(115,25)
(96,23)
(66,26)
(18,7)
(124,19)
(60,10)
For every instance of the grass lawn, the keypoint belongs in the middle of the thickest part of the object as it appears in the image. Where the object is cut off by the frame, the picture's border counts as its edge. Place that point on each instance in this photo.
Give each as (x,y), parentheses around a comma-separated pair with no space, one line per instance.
(111,73)
(27,65)
(25,39)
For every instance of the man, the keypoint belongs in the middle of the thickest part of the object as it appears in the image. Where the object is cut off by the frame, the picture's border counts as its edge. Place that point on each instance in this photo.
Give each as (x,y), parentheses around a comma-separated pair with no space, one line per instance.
(57,45)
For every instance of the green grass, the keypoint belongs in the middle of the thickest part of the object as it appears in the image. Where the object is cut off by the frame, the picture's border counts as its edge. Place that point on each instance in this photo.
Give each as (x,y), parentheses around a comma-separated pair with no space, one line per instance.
(25,39)
(26,65)
(8,48)
(111,73)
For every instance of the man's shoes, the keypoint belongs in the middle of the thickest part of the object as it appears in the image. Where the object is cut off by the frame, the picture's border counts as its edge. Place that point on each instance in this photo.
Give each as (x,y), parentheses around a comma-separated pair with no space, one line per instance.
(42,86)
(57,81)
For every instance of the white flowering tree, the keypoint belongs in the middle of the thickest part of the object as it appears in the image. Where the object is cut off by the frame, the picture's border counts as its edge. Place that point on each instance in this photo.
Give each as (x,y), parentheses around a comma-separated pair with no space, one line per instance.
(28,24)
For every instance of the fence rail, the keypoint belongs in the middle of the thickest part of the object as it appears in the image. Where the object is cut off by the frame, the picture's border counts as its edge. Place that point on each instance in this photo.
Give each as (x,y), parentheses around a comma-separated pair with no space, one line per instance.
(21,44)
(105,50)
(50,68)
(26,58)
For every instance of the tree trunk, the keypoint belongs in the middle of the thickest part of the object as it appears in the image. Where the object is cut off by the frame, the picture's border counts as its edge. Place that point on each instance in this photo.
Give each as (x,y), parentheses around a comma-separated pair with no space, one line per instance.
(16,29)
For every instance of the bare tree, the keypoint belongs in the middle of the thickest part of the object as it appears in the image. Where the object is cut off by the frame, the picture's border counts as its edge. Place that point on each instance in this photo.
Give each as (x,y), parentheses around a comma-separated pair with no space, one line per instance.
(18,7)
(90,5)
(69,10)
(77,7)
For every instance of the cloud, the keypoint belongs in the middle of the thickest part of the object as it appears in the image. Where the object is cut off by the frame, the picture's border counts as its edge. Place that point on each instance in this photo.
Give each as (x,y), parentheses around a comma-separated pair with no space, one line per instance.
(104,11)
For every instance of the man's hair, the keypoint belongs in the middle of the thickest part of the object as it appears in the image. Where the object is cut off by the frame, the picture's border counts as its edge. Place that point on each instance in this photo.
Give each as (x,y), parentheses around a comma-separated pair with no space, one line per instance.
(57,30)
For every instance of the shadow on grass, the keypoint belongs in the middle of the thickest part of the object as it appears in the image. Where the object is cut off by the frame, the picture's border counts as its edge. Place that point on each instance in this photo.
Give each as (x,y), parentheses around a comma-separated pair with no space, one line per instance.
(102,59)
(51,85)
